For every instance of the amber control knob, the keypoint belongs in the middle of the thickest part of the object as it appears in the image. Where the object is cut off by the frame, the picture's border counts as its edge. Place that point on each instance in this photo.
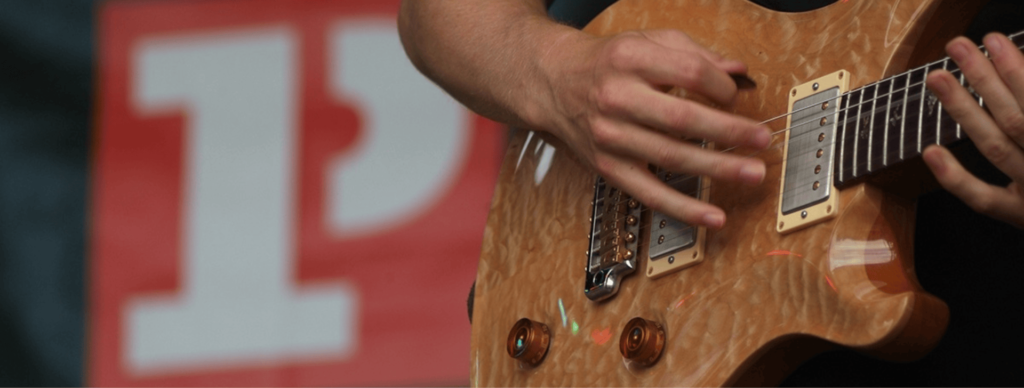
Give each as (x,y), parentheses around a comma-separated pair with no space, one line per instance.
(528,341)
(642,341)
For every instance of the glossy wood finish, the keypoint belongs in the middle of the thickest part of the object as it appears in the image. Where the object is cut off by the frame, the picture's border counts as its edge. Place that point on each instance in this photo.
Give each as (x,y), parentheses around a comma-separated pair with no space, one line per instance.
(760,302)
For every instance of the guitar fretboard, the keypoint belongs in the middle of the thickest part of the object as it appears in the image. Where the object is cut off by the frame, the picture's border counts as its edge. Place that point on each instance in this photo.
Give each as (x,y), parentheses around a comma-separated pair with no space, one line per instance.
(893,120)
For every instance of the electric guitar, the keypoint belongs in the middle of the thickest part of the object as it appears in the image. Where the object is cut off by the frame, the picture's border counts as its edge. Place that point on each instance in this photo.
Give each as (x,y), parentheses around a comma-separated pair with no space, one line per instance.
(581,285)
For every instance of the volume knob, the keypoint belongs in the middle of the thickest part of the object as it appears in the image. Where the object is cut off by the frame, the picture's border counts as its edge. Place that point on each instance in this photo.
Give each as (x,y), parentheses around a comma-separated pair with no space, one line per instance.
(528,341)
(642,341)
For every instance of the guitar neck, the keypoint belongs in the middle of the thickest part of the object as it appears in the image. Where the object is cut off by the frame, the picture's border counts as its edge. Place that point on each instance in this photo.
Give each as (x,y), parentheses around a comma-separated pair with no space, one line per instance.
(885,123)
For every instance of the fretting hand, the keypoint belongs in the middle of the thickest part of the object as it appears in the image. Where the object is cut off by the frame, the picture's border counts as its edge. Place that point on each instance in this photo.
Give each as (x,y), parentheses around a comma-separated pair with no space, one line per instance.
(999,135)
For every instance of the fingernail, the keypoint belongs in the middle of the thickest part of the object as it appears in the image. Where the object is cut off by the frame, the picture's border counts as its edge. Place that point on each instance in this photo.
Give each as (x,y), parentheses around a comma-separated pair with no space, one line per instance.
(762,138)
(935,159)
(957,51)
(938,85)
(714,220)
(993,45)
(752,174)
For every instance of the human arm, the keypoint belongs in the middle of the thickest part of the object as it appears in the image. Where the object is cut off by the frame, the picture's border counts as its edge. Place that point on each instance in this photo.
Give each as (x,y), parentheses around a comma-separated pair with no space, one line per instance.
(602,96)
(999,135)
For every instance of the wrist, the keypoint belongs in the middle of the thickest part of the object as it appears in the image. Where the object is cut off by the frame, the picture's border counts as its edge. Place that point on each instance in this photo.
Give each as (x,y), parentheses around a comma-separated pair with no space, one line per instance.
(547,78)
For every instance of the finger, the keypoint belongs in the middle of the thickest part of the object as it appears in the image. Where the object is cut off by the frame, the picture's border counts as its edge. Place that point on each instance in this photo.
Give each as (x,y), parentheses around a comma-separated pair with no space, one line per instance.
(686,118)
(982,75)
(694,74)
(685,69)
(635,179)
(679,156)
(731,66)
(997,202)
(999,149)
(677,40)
(1009,63)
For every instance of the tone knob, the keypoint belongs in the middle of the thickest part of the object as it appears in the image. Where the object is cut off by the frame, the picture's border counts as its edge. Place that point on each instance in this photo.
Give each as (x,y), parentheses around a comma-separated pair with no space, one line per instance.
(642,341)
(528,341)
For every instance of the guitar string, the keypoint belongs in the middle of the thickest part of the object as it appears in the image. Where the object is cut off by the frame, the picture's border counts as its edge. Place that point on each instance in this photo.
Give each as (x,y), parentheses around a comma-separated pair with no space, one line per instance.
(889,95)
(644,211)
(909,93)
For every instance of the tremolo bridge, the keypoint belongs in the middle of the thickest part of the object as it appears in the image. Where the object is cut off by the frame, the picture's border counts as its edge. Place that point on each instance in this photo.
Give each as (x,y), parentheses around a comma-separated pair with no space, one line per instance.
(614,236)
(618,224)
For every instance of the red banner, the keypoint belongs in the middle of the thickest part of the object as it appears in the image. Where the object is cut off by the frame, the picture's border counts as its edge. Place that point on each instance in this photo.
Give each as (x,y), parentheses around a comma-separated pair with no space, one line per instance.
(279,199)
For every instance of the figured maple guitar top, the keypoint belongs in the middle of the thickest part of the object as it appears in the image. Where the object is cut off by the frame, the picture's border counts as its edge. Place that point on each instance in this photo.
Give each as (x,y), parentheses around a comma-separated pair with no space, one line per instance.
(760,302)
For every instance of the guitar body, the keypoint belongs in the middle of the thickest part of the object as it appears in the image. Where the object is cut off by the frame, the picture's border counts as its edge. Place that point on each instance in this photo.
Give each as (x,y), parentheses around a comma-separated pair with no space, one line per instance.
(760,302)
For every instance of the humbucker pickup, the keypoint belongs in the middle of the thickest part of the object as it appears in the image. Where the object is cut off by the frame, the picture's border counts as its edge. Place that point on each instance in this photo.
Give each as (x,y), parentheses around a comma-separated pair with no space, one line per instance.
(807,194)
(672,244)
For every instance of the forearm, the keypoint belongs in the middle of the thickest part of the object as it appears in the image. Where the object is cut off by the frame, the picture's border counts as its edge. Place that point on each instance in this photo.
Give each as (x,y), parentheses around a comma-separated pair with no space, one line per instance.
(488,54)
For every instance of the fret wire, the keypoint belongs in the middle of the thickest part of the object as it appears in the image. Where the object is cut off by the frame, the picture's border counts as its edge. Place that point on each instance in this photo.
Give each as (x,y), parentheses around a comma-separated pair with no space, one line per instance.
(843,102)
(885,138)
(871,128)
(949,124)
(981,100)
(850,136)
(1017,38)
(903,122)
(856,135)
(920,118)
(894,120)
(958,123)
(912,113)
(879,122)
(938,113)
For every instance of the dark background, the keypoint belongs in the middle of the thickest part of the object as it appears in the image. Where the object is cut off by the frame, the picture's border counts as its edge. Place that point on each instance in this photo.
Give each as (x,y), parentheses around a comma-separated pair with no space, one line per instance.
(46,70)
